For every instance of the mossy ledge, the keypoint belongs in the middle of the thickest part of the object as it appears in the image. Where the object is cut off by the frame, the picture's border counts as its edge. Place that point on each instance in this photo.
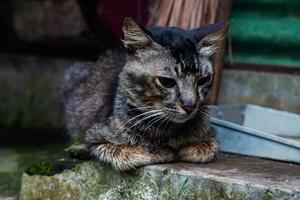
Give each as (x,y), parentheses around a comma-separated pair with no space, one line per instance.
(92,180)
(46,168)
(42,168)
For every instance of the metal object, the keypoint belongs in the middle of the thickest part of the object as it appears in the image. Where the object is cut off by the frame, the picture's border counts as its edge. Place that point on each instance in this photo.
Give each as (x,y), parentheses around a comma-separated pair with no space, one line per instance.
(257,131)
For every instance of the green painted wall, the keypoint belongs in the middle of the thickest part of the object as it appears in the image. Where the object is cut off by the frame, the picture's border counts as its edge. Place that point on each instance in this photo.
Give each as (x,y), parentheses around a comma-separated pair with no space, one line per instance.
(265,32)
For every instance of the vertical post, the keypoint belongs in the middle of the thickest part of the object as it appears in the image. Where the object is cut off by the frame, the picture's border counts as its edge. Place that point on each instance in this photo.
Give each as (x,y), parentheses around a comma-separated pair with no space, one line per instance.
(223,14)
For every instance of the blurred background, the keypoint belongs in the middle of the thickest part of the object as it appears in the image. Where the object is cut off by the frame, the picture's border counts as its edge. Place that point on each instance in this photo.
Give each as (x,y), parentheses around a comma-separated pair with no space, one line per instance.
(39,39)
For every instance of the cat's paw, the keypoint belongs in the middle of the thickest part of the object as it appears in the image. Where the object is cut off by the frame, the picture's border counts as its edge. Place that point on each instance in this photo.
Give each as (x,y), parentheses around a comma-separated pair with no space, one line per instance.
(163,154)
(199,152)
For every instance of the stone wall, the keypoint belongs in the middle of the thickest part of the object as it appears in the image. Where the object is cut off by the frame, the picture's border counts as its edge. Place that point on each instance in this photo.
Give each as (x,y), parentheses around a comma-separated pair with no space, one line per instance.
(35,20)
(280,91)
(50,27)
(30,92)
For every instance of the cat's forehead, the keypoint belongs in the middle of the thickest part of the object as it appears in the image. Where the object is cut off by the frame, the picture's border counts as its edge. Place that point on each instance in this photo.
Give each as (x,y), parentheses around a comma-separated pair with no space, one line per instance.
(183,57)
(182,65)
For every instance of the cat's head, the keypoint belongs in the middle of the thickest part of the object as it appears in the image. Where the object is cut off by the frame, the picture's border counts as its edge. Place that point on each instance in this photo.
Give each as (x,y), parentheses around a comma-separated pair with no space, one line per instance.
(169,71)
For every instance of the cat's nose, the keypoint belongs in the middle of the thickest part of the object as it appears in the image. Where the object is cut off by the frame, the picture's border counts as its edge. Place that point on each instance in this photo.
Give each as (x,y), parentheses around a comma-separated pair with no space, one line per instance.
(189,107)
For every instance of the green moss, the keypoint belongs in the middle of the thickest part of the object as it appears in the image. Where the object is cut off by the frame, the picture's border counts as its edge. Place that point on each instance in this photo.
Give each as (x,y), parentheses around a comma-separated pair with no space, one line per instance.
(193,193)
(220,193)
(77,141)
(78,150)
(268,195)
(41,168)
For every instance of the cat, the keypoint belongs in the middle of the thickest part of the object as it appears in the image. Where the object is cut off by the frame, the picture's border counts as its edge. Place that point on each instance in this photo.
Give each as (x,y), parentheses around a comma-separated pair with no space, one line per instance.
(148,106)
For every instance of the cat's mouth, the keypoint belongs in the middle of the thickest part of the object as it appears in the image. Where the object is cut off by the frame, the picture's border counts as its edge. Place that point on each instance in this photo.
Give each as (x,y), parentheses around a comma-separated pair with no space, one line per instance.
(182,116)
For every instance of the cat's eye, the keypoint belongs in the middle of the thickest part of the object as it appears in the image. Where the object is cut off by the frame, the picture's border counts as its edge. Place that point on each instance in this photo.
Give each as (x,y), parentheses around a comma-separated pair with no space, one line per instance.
(166,82)
(204,81)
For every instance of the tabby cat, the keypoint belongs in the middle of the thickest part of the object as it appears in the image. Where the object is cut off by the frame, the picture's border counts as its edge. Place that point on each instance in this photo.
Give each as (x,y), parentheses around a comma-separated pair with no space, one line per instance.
(150,107)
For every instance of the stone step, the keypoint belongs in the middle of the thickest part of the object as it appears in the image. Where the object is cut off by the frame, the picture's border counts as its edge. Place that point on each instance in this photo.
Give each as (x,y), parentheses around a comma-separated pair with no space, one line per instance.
(230,177)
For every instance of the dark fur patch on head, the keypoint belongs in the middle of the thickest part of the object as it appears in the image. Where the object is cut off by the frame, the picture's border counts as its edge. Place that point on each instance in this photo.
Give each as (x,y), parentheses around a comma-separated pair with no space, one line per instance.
(182,44)
(185,44)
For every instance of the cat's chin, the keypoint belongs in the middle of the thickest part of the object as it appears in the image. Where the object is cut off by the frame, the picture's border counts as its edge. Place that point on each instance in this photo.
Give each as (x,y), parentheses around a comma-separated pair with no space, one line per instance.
(183,118)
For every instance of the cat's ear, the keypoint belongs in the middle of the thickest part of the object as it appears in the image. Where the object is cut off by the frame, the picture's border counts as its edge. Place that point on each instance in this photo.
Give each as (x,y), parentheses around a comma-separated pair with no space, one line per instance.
(210,37)
(136,37)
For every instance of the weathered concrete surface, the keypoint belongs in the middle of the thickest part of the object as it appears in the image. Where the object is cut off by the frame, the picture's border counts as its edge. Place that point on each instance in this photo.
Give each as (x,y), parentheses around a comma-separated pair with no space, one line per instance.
(7,198)
(14,159)
(231,177)
(279,91)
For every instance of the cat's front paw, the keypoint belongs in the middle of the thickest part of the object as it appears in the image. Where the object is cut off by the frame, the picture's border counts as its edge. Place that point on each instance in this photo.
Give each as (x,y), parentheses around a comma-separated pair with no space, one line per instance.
(162,154)
(199,152)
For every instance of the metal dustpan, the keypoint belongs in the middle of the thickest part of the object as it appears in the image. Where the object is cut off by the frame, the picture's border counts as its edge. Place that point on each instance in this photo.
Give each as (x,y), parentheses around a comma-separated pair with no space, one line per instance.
(257,131)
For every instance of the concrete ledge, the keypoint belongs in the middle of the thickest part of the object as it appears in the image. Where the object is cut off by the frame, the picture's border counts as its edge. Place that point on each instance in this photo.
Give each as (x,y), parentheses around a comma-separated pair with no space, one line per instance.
(231,177)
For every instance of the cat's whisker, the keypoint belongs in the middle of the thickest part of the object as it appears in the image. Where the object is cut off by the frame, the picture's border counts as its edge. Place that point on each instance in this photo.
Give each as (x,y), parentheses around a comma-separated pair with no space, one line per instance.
(141,115)
(204,109)
(210,106)
(124,90)
(130,93)
(161,123)
(148,125)
(158,132)
(141,108)
(211,109)
(145,118)
(168,120)
(135,117)
(153,121)
(203,113)
(172,110)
